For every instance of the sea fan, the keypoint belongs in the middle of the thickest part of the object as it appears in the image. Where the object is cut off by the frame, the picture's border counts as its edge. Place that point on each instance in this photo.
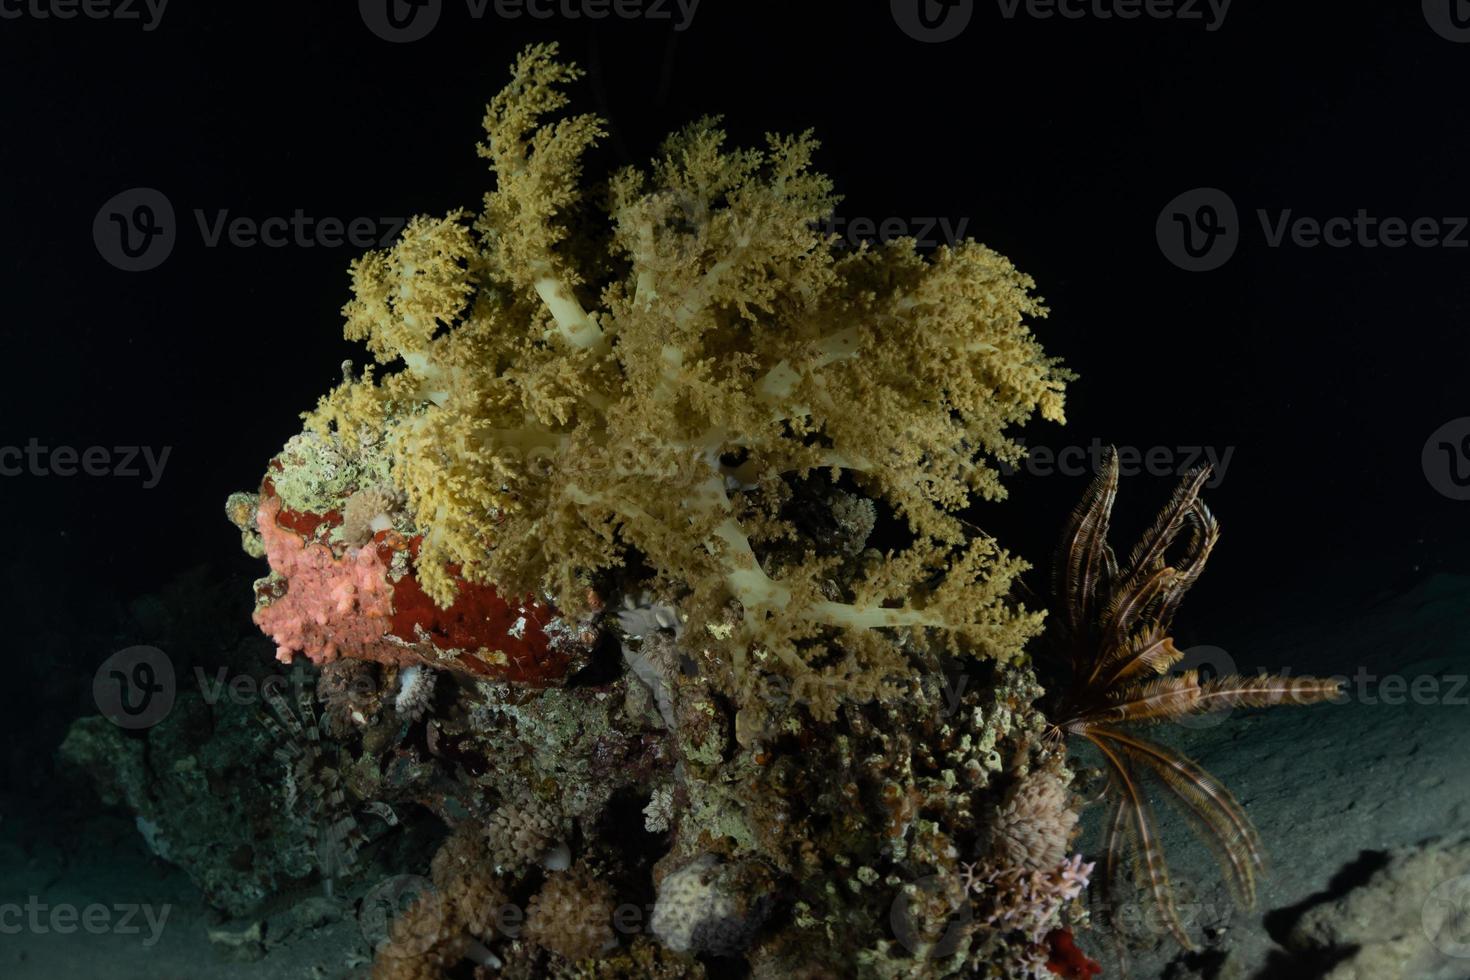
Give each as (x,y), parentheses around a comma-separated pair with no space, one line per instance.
(1115,623)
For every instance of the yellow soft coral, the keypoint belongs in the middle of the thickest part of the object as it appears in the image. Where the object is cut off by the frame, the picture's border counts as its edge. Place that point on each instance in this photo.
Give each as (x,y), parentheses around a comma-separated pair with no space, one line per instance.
(584,379)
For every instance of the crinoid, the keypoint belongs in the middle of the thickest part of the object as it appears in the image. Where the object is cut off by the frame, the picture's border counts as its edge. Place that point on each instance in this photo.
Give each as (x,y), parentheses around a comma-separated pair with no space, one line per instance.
(1114,623)
(314,785)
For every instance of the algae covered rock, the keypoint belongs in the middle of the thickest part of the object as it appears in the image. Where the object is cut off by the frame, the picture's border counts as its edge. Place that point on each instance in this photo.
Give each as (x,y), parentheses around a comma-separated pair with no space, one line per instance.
(1410,919)
(205,794)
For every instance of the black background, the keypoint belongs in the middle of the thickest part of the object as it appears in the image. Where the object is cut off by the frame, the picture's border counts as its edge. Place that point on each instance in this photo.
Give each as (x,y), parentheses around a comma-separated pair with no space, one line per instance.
(1059,141)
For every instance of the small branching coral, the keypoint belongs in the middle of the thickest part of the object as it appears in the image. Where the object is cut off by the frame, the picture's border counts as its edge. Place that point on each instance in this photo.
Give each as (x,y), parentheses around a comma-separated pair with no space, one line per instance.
(581,381)
(1114,623)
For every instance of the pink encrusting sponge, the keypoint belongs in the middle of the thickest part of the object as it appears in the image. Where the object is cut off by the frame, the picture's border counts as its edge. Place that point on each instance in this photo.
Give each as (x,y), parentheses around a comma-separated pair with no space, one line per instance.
(331,607)
(358,602)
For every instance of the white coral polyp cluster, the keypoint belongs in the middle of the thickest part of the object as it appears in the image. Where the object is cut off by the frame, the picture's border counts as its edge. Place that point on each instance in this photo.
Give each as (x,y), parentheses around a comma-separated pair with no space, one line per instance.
(415,692)
(366,513)
(698,911)
(522,832)
(1034,823)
